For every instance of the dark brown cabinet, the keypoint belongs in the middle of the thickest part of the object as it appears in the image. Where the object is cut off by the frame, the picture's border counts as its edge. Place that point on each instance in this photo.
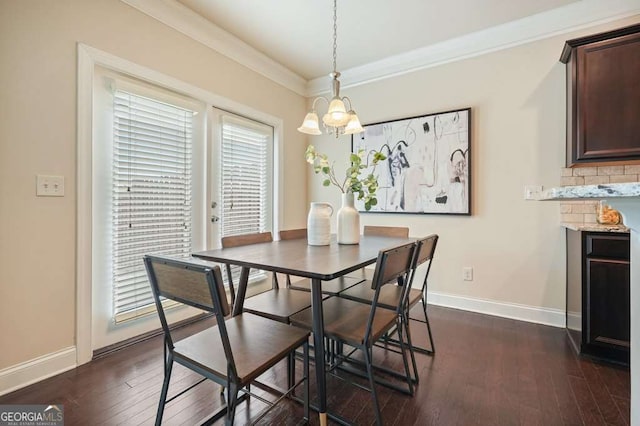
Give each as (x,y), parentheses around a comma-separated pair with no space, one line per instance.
(603,96)
(598,302)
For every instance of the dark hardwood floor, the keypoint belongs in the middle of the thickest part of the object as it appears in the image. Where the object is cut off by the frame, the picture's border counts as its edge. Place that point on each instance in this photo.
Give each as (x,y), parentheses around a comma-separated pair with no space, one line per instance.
(487,371)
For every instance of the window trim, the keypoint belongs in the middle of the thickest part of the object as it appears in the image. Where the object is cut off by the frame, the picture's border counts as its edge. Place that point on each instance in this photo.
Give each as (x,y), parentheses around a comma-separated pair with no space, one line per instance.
(88,59)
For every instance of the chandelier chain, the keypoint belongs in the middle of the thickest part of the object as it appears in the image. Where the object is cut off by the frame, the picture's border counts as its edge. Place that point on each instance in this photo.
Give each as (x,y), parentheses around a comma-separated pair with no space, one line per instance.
(335,33)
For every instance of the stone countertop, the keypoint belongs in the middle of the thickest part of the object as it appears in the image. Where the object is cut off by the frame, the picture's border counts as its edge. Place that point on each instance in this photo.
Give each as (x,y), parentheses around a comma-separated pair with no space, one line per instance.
(595,227)
(611,190)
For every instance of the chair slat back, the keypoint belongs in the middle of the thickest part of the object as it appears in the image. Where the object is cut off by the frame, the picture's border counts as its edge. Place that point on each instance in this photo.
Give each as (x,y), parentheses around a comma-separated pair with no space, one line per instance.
(424,253)
(191,284)
(392,264)
(246,239)
(194,284)
(293,234)
(240,241)
(387,231)
(427,247)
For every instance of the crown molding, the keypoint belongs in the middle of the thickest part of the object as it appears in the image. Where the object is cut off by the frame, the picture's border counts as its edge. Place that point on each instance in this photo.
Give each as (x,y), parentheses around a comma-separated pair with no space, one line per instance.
(189,23)
(572,17)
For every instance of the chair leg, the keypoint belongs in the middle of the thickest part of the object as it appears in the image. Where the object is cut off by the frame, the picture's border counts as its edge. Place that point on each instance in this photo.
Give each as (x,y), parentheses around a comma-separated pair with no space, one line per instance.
(291,371)
(327,350)
(165,356)
(165,389)
(232,402)
(368,360)
(306,381)
(403,349)
(426,319)
(405,322)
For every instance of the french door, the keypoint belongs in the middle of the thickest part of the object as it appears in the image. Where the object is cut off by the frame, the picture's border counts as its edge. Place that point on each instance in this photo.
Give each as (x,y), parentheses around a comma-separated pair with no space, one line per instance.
(242,179)
(171,175)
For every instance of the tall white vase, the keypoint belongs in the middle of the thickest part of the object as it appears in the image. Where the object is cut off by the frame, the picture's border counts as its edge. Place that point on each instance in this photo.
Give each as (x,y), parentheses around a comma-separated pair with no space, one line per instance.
(348,221)
(319,224)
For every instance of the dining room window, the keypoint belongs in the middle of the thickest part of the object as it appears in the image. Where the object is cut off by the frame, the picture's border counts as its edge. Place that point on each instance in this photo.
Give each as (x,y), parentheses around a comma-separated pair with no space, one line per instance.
(151,190)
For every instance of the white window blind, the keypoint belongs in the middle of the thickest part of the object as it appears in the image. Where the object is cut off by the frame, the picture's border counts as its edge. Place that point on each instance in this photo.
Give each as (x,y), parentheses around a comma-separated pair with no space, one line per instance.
(151,193)
(246,179)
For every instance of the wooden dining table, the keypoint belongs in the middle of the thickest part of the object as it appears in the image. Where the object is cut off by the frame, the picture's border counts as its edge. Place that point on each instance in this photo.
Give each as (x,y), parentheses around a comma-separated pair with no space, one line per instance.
(297,258)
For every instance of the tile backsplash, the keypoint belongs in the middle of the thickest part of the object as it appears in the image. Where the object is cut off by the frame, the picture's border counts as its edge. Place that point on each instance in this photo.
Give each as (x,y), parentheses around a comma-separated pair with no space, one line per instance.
(585,211)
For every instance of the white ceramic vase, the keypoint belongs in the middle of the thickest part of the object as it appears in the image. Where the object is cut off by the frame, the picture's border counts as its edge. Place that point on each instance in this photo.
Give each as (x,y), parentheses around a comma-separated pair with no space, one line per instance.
(348,221)
(319,224)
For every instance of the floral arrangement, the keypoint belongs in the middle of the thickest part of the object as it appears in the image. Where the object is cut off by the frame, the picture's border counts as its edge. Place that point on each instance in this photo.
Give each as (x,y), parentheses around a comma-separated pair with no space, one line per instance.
(354,182)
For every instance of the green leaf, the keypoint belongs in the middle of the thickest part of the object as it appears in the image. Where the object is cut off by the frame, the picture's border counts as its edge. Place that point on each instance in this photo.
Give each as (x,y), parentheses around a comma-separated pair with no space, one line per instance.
(326,182)
(326,170)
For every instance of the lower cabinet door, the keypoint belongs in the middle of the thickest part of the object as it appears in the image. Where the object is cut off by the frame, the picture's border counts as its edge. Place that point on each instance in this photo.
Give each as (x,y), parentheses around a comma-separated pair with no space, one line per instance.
(608,302)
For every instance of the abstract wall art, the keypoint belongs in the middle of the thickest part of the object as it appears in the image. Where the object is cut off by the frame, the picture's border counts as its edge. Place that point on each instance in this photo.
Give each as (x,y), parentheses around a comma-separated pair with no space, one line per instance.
(427,170)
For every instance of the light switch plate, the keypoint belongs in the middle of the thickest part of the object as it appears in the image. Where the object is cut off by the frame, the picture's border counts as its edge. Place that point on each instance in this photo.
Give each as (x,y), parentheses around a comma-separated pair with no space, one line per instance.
(49,186)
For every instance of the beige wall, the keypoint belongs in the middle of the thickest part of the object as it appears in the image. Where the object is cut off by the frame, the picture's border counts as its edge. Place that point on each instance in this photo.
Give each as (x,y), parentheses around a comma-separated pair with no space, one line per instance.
(38,136)
(517,96)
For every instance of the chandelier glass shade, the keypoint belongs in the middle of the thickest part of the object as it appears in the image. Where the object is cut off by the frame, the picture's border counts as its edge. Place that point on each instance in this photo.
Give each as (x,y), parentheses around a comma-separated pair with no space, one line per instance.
(338,120)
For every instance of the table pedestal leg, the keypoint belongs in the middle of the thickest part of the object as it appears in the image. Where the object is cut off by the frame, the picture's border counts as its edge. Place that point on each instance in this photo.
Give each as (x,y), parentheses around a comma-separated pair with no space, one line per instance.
(318,342)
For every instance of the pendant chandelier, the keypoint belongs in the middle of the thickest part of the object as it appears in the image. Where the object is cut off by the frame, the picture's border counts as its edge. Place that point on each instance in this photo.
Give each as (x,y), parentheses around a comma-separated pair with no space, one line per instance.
(338,120)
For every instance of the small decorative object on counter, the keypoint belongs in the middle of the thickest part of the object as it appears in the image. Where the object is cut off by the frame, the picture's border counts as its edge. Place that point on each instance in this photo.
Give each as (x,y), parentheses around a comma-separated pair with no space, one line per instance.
(319,224)
(607,215)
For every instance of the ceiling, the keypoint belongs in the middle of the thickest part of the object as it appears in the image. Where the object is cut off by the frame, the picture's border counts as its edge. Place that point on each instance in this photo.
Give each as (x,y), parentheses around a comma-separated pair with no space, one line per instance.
(298,34)
(290,41)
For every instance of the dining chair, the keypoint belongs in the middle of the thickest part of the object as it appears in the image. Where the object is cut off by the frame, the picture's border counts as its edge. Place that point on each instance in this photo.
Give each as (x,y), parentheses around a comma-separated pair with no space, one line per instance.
(390,296)
(361,325)
(330,288)
(278,303)
(232,353)
(378,231)
(424,255)
(386,231)
(241,240)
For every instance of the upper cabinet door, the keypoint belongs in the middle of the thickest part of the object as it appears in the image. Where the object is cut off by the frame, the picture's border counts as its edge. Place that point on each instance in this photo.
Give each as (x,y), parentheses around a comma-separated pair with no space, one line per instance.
(603,97)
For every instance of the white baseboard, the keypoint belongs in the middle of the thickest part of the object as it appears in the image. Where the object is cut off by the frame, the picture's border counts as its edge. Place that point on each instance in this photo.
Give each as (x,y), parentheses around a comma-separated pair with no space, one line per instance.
(546,316)
(37,369)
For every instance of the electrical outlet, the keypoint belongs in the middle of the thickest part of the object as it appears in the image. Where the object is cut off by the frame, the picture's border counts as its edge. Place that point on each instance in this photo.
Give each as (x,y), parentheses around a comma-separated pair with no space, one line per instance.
(532,192)
(49,186)
(467,273)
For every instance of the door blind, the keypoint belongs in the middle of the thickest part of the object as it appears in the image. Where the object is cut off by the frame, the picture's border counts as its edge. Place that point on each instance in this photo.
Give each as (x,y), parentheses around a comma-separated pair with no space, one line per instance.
(246,179)
(151,192)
